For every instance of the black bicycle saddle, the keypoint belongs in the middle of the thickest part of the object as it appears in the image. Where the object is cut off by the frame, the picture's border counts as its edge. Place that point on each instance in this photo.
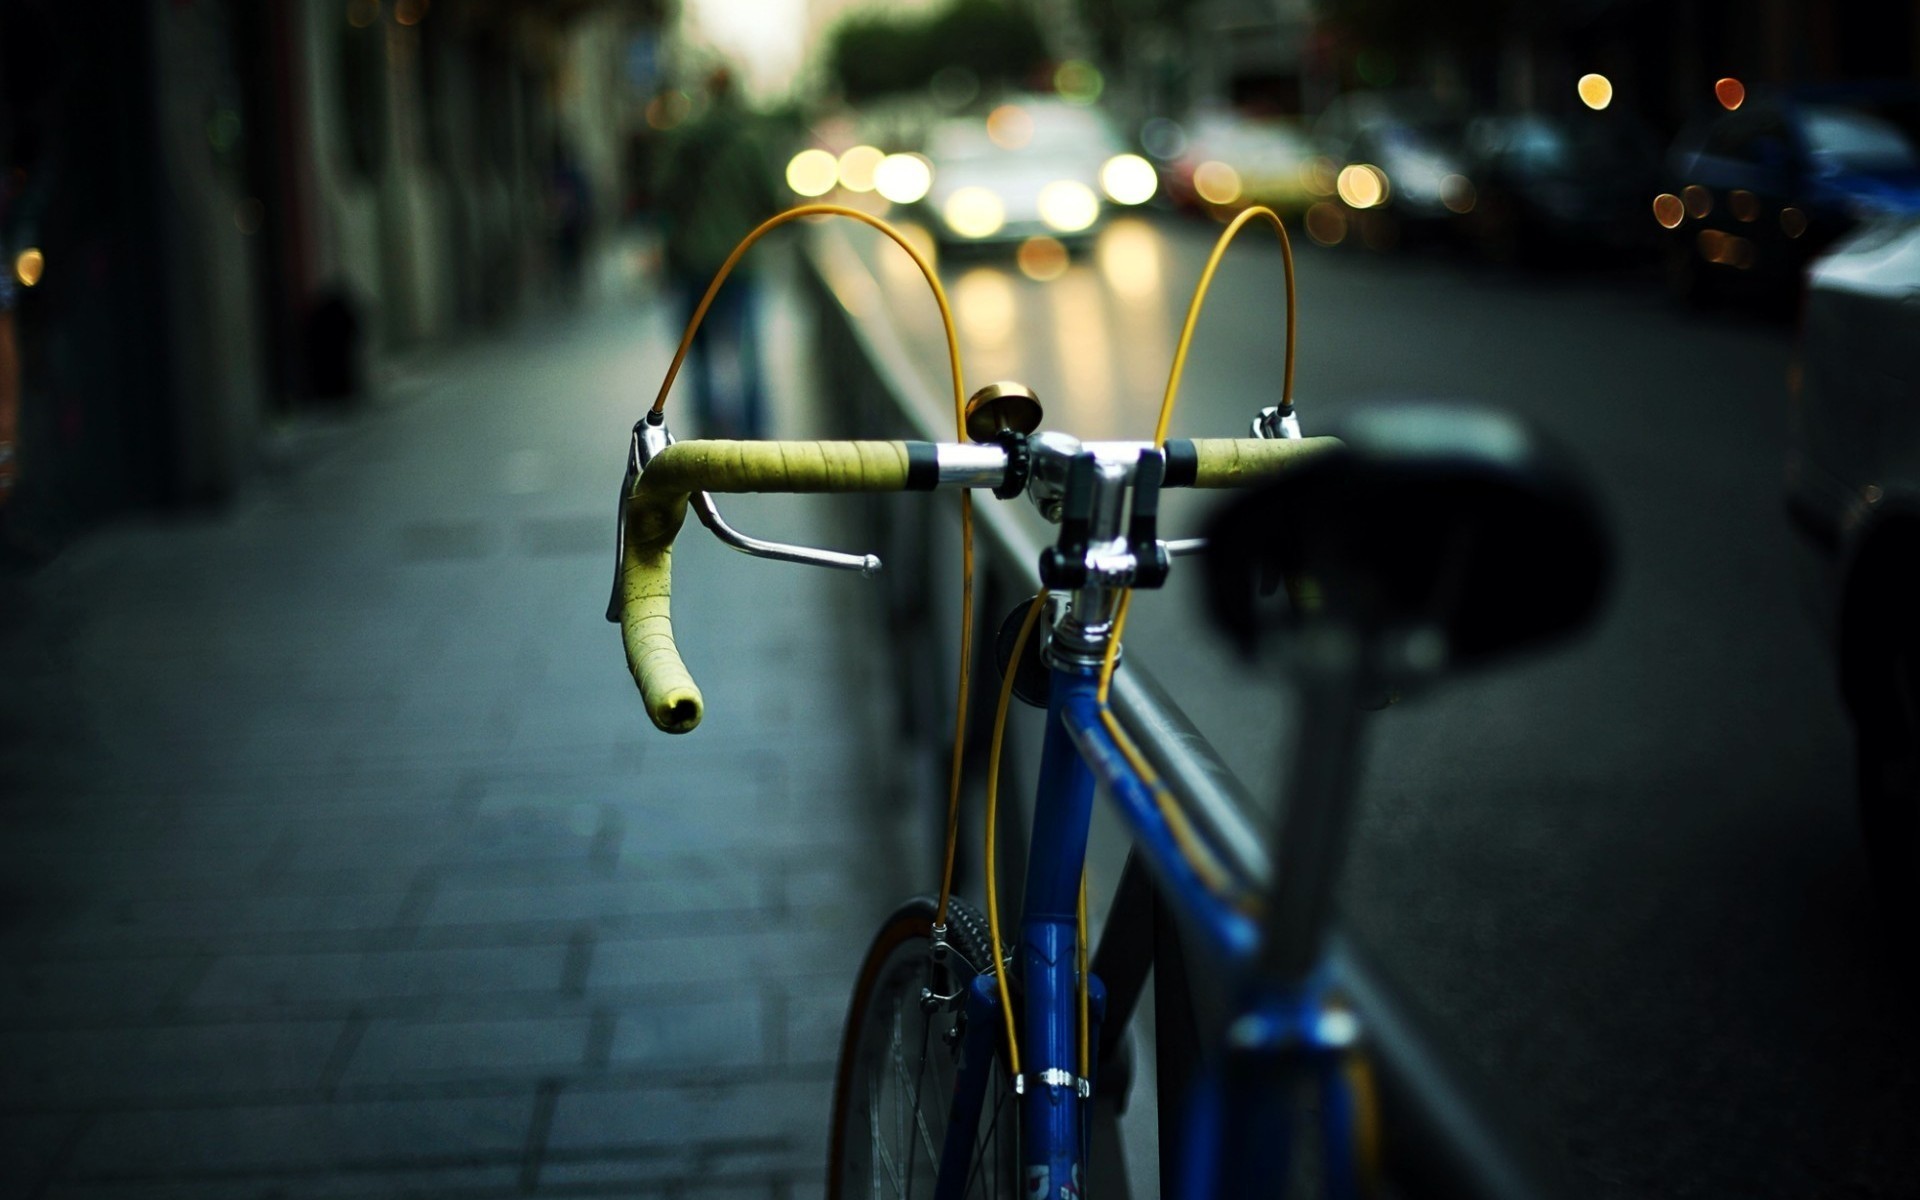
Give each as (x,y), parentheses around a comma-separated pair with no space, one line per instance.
(1432,519)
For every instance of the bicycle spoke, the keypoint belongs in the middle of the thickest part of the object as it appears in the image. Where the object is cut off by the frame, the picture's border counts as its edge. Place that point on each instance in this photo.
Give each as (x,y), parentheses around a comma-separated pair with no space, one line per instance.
(919,1118)
(992,1140)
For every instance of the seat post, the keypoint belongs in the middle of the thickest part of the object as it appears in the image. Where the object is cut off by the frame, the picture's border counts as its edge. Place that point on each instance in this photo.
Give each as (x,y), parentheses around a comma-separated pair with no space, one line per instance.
(1329,673)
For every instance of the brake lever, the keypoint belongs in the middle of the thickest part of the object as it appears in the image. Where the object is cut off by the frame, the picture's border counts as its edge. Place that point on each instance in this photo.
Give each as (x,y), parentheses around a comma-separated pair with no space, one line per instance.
(709,514)
(650,437)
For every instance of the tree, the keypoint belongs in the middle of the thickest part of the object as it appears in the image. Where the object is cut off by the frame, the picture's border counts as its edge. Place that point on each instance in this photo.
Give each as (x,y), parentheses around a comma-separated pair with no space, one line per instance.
(876,54)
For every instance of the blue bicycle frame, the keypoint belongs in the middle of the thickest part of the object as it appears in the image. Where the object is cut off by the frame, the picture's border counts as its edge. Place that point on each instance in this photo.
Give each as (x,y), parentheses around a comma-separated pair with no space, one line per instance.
(1282,1035)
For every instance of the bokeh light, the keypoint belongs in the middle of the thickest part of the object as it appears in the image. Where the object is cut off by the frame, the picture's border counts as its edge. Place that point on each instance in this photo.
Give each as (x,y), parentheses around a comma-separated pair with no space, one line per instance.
(1129,258)
(1744,205)
(1458,194)
(1042,259)
(856,167)
(1010,126)
(1078,82)
(902,178)
(1319,176)
(1596,91)
(1069,205)
(900,269)
(1362,185)
(1793,222)
(1668,210)
(409,12)
(1730,92)
(1128,179)
(1163,138)
(29,265)
(974,212)
(668,109)
(1216,182)
(813,172)
(984,306)
(1326,223)
(1699,201)
(1726,249)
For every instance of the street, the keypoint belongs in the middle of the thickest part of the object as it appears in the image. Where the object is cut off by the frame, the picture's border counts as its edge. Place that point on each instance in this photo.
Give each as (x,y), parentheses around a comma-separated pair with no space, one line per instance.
(1624,876)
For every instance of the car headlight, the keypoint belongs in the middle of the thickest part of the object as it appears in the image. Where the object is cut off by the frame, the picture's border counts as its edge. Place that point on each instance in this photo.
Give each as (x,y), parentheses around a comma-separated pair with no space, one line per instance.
(974,212)
(1068,206)
(1128,179)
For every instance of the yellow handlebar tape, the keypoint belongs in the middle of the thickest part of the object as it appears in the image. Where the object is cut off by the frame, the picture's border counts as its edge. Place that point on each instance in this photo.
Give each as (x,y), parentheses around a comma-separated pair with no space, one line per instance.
(657,507)
(1237,462)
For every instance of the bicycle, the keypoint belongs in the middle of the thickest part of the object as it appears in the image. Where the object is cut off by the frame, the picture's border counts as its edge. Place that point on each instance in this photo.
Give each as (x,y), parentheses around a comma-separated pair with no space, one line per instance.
(1423,541)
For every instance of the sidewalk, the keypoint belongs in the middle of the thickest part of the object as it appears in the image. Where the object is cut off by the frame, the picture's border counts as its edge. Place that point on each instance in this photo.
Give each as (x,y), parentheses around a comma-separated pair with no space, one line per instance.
(337,857)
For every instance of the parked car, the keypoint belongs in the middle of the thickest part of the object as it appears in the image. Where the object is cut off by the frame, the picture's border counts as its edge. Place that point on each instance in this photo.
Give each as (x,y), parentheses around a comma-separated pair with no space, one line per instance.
(1549,188)
(1853,493)
(1231,161)
(1757,193)
(1030,168)
(1399,163)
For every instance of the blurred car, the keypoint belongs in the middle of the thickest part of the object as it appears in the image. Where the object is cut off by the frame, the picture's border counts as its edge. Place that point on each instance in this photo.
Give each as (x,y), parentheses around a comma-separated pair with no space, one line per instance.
(1398,161)
(1231,161)
(1030,168)
(1546,188)
(1756,193)
(1853,494)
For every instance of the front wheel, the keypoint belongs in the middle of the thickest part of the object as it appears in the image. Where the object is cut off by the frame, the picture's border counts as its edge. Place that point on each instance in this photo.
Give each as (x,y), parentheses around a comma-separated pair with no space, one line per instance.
(894,1087)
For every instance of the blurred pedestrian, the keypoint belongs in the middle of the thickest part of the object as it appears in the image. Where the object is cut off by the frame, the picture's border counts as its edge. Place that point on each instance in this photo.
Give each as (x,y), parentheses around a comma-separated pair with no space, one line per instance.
(570,205)
(715,184)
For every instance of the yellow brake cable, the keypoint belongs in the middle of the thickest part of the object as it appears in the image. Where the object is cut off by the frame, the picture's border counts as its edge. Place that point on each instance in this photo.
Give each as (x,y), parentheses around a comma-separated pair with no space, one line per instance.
(966,496)
(1202,859)
(1199,856)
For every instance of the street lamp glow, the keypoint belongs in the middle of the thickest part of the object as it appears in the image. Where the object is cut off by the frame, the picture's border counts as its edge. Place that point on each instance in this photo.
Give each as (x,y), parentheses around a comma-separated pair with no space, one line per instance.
(813,172)
(902,178)
(1596,91)
(1362,185)
(856,167)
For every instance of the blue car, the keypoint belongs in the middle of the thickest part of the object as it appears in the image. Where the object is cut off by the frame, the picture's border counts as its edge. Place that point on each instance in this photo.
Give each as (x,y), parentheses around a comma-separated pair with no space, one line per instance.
(1757,193)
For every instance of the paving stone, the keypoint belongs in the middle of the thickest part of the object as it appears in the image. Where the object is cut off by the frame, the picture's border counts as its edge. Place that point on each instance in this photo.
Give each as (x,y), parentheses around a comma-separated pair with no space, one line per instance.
(728,1032)
(787,1117)
(390,1135)
(410,843)
(30,1144)
(274,980)
(748,955)
(62,1068)
(815,1019)
(440,1184)
(412,1050)
(596,899)
(32,993)
(131,923)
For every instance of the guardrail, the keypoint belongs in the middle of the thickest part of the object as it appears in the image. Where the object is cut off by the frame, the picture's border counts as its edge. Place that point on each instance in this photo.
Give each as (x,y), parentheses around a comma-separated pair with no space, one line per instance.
(1443,1136)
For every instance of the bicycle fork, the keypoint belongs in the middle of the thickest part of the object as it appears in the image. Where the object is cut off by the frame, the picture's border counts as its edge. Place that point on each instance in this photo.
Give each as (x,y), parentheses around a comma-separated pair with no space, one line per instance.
(1052,1094)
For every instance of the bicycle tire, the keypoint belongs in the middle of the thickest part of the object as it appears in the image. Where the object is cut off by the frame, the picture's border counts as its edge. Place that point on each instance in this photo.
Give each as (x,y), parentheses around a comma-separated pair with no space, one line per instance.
(894,1082)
